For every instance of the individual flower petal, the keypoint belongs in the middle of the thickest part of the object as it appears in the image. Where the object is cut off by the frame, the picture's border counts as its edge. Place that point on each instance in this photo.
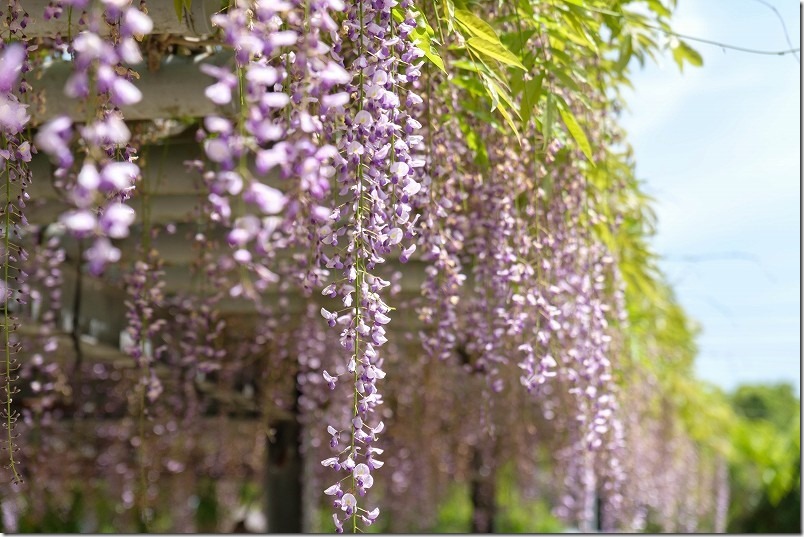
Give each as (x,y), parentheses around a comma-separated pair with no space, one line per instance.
(118,176)
(218,150)
(361,470)
(217,124)
(11,66)
(335,74)
(284,39)
(80,222)
(262,74)
(275,99)
(268,199)
(412,188)
(124,93)
(136,22)
(100,254)
(335,99)
(400,169)
(116,220)
(363,118)
(348,502)
(219,93)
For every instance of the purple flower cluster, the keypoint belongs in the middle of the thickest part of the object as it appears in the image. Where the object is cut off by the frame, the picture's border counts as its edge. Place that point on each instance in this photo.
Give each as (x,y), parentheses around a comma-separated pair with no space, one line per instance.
(13,114)
(15,154)
(539,297)
(576,267)
(445,226)
(144,287)
(108,172)
(378,174)
(284,80)
(45,287)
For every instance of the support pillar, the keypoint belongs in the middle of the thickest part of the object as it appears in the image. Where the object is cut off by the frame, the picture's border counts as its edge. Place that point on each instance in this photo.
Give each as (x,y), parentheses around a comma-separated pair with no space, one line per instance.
(284,478)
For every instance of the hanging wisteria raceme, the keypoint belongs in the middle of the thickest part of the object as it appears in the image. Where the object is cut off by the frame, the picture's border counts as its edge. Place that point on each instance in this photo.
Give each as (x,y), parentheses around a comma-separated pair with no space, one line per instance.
(517,286)
(106,168)
(494,312)
(304,159)
(192,338)
(284,79)
(45,286)
(445,225)
(15,154)
(581,343)
(255,37)
(145,295)
(378,176)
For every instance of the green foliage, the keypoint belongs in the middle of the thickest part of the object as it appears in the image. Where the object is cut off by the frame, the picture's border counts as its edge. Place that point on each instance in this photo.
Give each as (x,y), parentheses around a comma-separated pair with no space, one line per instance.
(682,53)
(783,516)
(455,513)
(485,41)
(532,62)
(515,514)
(206,516)
(58,518)
(520,515)
(766,466)
(575,129)
(774,403)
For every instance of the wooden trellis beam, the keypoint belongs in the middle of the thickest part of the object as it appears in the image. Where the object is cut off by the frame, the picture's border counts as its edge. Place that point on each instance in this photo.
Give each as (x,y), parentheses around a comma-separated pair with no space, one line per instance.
(175,90)
(194,22)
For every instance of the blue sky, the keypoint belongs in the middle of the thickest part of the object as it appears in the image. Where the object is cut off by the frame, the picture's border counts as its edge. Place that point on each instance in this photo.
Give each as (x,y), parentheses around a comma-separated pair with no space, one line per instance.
(719,149)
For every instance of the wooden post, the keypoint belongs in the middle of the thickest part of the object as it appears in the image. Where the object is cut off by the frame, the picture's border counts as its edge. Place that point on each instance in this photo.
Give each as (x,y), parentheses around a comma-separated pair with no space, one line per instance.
(284,477)
(483,490)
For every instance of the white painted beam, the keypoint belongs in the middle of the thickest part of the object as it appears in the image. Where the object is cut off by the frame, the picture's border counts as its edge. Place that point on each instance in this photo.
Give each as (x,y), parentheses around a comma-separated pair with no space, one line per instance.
(195,22)
(176,90)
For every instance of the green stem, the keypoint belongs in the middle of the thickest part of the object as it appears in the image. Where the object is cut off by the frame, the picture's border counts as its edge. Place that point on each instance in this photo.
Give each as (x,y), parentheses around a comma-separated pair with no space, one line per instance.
(6,329)
(359,267)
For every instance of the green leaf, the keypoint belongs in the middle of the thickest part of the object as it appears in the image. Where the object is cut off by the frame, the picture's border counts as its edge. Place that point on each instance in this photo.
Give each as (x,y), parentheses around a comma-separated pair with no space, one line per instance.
(564,77)
(496,51)
(449,14)
(547,119)
(475,25)
(423,42)
(626,51)
(510,120)
(501,92)
(683,52)
(467,66)
(485,40)
(515,41)
(526,8)
(530,97)
(422,36)
(576,132)
(180,6)
(657,7)
(475,143)
(574,31)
